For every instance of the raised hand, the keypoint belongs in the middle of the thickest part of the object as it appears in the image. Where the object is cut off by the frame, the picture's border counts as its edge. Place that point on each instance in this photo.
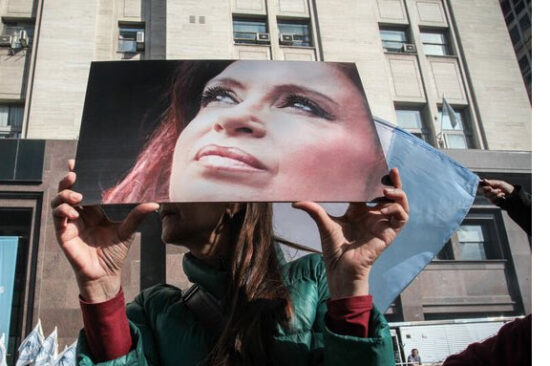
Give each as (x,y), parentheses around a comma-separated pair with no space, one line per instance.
(351,243)
(495,190)
(95,246)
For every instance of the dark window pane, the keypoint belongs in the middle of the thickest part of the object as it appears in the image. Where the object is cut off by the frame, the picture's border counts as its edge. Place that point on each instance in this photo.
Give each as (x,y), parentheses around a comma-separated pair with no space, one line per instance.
(15,118)
(509,18)
(30,160)
(514,35)
(8,151)
(525,23)
(519,7)
(528,78)
(524,64)
(446,252)
(505,6)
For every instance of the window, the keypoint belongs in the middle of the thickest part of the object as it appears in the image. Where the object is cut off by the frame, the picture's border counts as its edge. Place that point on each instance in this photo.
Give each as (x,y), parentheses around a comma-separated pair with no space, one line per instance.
(410,119)
(393,40)
(471,243)
(22,160)
(22,33)
(456,137)
(524,65)
(435,43)
(131,38)
(294,33)
(525,23)
(11,119)
(519,7)
(505,6)
(477,239)
(250,31)
(514,35)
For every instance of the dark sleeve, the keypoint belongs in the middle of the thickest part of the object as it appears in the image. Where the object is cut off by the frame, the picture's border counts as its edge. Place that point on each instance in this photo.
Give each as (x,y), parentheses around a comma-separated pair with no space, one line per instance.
(518,206)
(350,315)
(106,328)
(511,346)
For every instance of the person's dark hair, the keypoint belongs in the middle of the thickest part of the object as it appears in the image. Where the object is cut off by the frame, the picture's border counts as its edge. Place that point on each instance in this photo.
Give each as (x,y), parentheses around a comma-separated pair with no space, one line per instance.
(258,300)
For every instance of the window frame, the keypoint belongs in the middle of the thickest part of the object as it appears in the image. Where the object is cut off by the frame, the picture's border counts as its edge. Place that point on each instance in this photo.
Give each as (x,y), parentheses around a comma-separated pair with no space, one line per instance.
(11,130)
(423,132)
(446,44)
(299,21)
(254,40)
(404,31)
(130,27)
(493,231)
(466,131)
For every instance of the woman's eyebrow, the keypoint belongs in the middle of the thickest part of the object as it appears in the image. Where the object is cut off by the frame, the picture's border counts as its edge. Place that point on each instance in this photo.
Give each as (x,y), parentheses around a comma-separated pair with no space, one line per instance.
(226,82)
(300,89)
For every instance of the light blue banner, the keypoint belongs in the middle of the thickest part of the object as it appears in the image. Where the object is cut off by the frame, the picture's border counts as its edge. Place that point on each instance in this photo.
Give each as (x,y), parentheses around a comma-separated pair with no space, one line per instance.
(440,193)
(8,259)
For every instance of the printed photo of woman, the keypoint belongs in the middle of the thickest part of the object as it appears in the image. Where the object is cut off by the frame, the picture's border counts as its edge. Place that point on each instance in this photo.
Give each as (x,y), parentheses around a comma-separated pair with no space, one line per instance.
(259,131)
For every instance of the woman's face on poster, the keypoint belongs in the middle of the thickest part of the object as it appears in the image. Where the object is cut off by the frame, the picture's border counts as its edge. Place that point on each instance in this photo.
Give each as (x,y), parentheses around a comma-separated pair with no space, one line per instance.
(277,132)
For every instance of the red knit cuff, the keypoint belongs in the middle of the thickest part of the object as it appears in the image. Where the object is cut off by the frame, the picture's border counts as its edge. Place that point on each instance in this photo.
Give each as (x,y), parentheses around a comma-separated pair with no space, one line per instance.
(350,315)
(106,327)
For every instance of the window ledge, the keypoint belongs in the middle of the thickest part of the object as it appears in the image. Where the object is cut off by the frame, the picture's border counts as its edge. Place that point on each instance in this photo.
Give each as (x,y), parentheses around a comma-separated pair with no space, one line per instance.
(252,44)
(300,47)
(454,57)
(401,53)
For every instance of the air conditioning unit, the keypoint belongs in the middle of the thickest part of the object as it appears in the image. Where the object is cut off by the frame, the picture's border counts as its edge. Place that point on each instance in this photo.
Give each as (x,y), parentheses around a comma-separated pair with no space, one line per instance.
(23,38)
(5,40)
(262,37)
(140,41)
(409,48)
(298,37)
(286,38)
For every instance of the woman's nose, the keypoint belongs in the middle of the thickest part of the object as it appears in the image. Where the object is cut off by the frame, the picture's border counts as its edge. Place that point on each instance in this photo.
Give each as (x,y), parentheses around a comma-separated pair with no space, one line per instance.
(240,122)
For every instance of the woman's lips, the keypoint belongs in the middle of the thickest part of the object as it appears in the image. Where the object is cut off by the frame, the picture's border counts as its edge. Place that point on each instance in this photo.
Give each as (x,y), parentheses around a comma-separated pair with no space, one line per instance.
(228,158)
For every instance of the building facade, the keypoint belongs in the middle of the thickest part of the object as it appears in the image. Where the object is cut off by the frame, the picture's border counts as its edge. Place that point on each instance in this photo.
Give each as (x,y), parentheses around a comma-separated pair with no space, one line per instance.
(410,54)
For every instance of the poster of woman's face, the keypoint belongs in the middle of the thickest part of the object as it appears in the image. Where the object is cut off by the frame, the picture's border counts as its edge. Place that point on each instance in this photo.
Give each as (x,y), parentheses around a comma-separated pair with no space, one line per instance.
(196,131)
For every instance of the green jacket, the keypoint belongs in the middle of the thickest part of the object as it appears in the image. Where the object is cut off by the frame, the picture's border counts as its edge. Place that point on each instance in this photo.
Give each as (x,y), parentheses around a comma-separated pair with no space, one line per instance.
(165,332)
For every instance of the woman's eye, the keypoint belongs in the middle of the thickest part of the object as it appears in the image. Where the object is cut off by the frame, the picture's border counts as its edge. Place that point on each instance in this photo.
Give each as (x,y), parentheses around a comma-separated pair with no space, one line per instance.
(306,105)
(218,94)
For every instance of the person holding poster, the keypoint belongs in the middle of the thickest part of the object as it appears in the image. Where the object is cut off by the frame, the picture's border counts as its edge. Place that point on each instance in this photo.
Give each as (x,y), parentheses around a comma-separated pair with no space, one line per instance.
(253,131)
(315,310)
